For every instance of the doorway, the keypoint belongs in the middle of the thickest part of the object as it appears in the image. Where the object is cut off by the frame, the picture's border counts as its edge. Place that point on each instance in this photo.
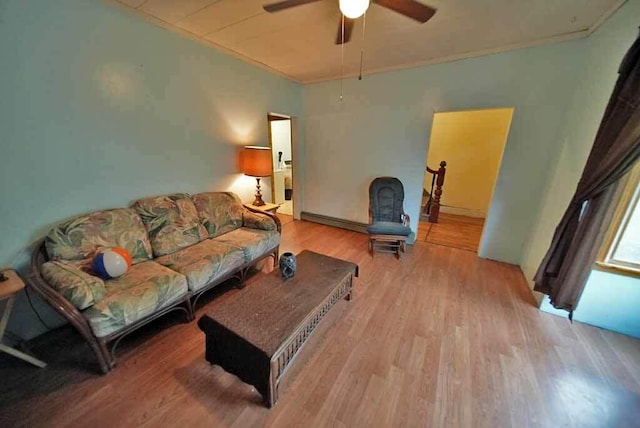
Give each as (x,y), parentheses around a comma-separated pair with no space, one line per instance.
(472,143)
(280,141)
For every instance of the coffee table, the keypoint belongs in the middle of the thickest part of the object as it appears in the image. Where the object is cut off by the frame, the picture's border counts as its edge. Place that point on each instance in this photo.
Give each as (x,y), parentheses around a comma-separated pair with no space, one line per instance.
(257,334)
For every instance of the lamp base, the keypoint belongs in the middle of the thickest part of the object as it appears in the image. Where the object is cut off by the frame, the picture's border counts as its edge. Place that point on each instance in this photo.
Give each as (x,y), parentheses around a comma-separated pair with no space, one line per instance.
(258,202)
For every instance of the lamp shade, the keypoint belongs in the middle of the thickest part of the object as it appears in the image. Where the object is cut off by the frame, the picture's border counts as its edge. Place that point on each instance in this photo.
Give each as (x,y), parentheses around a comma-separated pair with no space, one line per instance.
(257,161)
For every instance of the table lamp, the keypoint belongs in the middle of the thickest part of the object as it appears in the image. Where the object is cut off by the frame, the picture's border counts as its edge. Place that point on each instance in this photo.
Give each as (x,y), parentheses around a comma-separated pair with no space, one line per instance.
(257,163)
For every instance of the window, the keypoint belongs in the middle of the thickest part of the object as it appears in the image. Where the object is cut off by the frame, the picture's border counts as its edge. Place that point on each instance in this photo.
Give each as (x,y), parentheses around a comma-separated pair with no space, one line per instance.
(621,250)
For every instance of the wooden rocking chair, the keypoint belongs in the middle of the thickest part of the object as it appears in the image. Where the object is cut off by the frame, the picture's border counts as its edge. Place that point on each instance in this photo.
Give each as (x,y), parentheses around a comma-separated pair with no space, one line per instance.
(389,226)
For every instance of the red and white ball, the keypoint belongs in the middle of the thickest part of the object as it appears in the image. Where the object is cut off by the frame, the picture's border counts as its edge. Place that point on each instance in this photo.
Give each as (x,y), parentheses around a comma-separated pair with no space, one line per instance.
(111,262)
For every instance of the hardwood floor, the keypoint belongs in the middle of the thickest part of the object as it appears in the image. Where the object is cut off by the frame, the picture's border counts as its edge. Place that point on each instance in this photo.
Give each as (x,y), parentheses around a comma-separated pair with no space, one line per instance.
(285,218)
(439,338)
(456,231)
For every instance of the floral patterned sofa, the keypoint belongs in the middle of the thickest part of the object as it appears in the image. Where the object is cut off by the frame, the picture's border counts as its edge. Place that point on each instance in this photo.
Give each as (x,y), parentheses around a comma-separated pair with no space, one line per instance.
(181,246)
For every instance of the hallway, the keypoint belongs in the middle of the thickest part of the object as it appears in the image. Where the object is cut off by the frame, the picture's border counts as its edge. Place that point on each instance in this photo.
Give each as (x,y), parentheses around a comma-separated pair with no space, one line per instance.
(455,231)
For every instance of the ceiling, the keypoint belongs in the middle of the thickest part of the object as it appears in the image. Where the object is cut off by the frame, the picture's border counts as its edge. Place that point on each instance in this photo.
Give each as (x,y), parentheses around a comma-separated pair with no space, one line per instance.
(299,43)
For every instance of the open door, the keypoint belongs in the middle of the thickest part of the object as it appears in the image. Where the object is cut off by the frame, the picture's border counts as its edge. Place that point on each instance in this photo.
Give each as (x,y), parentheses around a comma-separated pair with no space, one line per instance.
(282,182)
(472,143)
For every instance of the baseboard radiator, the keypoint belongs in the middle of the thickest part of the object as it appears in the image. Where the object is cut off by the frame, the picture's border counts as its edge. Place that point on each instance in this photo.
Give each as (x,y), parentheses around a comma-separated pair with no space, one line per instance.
(335,222)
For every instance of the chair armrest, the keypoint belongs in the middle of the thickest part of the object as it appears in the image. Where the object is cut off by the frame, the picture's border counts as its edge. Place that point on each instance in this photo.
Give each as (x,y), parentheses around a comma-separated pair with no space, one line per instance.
(406,220)
(257,217)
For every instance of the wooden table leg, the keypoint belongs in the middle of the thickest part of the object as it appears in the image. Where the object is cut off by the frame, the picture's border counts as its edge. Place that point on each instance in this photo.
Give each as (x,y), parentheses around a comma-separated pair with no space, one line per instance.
(7,349)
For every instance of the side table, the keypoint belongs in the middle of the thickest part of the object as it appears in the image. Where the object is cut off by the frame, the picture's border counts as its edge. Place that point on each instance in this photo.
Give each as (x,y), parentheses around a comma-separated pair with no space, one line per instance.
(270,208)
(10,285)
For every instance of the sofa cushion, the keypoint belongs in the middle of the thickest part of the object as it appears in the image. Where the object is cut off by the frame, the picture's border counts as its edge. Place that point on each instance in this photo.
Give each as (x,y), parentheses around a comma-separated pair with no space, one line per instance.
(143,290)
(219,212)
(80,237)
(258,221)
(253,242)
(204,262)
(78,287)
(172,222)
(388,228)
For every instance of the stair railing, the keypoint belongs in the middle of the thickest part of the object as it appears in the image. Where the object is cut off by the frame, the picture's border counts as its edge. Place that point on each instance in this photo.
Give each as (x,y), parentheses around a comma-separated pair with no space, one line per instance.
(432,208)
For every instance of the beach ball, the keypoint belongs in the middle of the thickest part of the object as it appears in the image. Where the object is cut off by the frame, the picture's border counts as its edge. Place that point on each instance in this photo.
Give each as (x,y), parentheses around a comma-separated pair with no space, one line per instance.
(111,262)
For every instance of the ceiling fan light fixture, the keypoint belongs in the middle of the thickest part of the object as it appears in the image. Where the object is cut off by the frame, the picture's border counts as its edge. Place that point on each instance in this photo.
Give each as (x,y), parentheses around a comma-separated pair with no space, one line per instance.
(353,8)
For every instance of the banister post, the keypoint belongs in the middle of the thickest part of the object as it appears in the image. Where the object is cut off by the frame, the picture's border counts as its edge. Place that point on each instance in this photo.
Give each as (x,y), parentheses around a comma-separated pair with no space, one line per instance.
(435,206)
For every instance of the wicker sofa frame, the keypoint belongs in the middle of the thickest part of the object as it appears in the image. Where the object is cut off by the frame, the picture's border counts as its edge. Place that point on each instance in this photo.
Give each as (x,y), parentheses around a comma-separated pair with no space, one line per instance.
(104,348)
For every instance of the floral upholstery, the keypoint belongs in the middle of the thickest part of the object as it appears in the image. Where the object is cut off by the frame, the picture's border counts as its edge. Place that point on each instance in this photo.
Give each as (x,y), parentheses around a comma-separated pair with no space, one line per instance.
(258,221)
(143,290)
(78,287)
(79,238)
(253,242)
(219,212)
(173,258)
(204,262)
(172,222)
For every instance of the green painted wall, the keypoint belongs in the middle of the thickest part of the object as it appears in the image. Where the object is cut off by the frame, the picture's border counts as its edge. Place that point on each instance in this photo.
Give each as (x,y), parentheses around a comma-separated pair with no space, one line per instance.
(100,107)
(382,128)
(609,301)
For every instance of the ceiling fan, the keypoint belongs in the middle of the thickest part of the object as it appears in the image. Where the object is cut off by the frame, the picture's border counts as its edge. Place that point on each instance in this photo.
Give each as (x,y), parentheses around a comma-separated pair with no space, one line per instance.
(352,9)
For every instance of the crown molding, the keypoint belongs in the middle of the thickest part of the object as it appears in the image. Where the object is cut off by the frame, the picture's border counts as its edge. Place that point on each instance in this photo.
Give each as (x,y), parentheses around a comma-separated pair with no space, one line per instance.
(192,36)
(458,57)
(466,55)
(608,14)
(474,54)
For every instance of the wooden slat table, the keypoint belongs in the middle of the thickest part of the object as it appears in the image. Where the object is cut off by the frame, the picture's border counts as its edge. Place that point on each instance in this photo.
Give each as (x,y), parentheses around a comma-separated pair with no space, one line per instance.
(259,331)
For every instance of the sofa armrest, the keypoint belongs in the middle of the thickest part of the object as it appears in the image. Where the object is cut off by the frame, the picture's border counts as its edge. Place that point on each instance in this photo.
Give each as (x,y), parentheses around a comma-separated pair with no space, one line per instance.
(256,219)
(50,295)
(81,289)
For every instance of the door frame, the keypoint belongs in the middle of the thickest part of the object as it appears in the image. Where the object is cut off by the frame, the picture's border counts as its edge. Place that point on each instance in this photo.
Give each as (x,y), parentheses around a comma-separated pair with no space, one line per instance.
(295,164)
(499,169)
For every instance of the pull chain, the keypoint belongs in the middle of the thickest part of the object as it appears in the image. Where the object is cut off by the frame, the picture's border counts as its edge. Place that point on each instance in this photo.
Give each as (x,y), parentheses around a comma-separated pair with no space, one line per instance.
(364,25)
(342,59)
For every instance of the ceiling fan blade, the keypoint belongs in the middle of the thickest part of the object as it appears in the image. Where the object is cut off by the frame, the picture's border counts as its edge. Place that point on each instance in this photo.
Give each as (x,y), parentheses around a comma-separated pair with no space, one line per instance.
(281,5)
(409,8)
(348,29)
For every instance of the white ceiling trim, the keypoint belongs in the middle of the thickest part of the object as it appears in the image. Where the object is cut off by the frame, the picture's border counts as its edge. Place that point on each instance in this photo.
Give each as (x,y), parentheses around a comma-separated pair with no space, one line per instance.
(188,34)
(474,54)
(471,54)
(606,16)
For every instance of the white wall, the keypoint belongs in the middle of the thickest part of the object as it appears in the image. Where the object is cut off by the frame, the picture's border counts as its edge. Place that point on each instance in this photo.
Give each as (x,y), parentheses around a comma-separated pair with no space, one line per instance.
(609,301)
(281,140)
(601,56)
(100,107)
(382,128)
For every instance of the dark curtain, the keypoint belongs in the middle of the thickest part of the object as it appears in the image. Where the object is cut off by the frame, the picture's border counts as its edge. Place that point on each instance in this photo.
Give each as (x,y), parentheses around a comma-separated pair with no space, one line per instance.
(576,241)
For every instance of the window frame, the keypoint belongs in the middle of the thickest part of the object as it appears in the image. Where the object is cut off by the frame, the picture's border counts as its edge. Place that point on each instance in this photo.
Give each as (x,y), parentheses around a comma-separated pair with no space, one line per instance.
(629,201)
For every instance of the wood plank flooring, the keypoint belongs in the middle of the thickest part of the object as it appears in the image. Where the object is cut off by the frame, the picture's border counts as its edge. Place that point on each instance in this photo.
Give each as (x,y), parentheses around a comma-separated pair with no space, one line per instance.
(456,231)
(285,218)
(439,338)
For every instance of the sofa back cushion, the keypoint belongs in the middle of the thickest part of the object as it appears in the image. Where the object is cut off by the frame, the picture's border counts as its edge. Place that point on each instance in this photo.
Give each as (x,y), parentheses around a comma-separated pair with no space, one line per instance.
(219,212)
(80,237)
(171,221)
